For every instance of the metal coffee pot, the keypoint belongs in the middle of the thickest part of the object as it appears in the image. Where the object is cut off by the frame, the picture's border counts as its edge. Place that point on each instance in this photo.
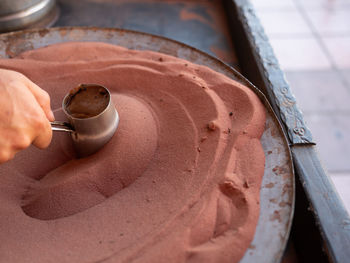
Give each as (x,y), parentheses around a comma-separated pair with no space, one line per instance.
(90,133)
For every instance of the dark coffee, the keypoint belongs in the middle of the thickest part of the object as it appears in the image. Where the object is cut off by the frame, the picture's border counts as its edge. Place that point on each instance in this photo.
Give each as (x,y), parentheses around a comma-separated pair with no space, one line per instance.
(86,102)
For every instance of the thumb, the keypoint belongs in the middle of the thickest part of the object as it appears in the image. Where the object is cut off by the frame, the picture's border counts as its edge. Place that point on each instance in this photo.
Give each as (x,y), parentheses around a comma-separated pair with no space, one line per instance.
(43,99)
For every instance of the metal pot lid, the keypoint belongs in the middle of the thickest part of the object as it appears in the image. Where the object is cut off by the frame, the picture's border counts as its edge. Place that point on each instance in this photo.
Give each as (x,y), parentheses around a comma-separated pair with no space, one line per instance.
(15,15)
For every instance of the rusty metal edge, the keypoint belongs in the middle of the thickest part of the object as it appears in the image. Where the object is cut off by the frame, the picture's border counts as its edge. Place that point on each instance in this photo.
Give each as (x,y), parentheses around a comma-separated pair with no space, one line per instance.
(277,88)
(237,76)
(331,217)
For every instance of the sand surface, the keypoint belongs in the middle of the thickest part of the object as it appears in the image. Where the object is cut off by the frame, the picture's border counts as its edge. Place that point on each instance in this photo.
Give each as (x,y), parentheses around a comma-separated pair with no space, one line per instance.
(178,182)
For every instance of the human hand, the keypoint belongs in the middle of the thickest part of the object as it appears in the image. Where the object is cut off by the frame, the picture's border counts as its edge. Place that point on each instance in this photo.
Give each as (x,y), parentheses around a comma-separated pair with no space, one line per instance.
(25,113)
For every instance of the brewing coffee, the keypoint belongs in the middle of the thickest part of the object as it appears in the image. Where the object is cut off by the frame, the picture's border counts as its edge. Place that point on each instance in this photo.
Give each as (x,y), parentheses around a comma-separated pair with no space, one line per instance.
(86,102)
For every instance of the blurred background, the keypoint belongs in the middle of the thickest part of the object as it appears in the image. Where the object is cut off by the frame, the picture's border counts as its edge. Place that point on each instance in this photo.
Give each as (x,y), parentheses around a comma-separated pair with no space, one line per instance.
(311,39)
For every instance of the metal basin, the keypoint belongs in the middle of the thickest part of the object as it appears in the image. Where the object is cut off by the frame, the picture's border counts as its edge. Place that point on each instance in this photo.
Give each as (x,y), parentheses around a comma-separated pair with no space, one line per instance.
(17,14)
(277,191)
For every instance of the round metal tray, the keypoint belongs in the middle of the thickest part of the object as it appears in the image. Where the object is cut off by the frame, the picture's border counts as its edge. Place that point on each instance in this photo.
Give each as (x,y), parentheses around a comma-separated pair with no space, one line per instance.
(277,190)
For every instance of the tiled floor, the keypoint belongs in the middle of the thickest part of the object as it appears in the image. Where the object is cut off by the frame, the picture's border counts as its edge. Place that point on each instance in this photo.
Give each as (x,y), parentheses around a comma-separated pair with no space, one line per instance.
(311,39)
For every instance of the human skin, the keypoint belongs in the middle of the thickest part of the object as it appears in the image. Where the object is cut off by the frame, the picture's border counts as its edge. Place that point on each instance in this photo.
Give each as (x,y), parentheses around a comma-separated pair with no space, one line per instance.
(24,116)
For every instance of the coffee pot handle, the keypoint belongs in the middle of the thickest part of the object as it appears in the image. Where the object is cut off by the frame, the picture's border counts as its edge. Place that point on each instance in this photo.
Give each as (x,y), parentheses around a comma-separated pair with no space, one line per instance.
(61,126)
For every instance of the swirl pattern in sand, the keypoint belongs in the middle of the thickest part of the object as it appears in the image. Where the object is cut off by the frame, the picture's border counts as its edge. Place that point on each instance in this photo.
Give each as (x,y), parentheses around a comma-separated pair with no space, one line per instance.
(178,182)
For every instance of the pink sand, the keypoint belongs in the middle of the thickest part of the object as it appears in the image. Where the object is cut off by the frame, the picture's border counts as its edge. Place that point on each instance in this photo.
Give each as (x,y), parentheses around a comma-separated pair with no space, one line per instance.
(178,182)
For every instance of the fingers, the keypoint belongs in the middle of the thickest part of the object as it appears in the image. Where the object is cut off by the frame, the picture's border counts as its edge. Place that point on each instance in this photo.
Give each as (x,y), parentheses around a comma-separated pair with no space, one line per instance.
(43,126)
(43,98)
(24,116)
(9,150)
(44,136)
(6,156)
(20,141)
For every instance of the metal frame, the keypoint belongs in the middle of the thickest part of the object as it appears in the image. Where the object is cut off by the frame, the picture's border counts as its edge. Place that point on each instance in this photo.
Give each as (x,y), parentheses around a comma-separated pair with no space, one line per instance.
(277,190)
(329,216)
